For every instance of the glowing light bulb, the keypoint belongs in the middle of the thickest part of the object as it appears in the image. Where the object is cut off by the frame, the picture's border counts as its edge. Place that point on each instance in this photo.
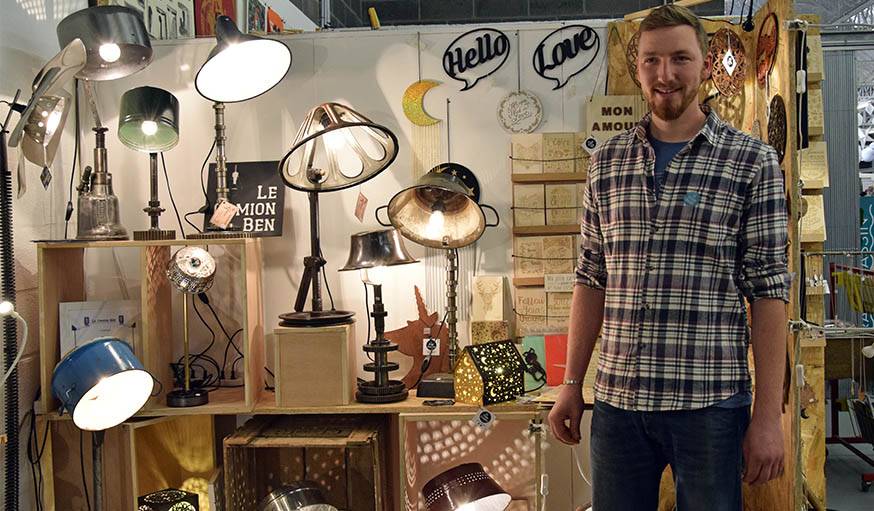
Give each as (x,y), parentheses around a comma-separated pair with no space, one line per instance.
(110,52)
(436,223)
(53,122)
(335,141)
(149,127)
(6,308)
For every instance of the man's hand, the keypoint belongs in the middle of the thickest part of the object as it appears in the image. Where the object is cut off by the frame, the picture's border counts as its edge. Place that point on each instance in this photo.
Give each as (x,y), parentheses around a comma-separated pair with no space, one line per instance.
(763,450)
(568,407)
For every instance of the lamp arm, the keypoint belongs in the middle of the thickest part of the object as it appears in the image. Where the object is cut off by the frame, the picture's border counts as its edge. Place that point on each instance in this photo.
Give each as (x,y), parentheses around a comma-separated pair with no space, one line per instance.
(376,214)
(493,210)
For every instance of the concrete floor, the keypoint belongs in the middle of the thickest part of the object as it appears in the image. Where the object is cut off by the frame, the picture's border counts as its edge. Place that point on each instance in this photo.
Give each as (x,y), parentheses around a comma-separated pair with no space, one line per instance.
(842,474)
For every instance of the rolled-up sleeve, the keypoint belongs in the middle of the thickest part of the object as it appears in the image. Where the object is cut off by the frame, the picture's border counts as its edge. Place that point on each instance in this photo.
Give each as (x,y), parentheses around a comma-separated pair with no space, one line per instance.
(591,270)
(763,236)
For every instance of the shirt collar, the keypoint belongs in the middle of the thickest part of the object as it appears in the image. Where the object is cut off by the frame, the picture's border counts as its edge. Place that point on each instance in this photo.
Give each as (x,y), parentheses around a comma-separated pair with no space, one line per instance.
(710,130)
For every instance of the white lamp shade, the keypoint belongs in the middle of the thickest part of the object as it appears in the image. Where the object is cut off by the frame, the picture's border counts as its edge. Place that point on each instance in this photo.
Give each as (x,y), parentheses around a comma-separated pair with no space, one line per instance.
(113,400)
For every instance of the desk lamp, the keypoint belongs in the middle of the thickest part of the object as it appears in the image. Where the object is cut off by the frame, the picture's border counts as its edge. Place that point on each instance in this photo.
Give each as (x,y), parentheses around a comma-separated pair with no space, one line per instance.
(466,487)
(442,210)
(239,68)
(117,45)
(335,148)
(371,252)
(149,122)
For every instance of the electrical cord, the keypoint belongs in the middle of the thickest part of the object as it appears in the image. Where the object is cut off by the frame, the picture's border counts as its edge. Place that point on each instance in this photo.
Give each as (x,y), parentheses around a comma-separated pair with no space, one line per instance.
(206,205)
(426,362)
(170,192)
(68,213)
(325,277)
(17,359)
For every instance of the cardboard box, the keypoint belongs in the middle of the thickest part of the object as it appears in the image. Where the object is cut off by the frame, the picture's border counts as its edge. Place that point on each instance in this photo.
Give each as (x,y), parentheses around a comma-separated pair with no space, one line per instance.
(314,366)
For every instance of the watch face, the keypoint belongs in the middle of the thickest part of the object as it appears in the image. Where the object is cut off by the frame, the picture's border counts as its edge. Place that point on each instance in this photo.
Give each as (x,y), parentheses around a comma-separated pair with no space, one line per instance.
(183,506)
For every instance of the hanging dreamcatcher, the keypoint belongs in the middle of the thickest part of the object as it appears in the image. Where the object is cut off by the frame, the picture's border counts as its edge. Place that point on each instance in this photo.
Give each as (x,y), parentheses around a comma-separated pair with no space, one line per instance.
(777,126)
(729,62)
(766,48)
(631,56)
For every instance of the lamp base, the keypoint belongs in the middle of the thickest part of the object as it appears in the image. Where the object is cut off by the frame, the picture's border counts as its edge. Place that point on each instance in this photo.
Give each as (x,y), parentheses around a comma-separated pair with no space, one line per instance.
(316,318)
(219,235)
(371,393)
(440,385)
(154,234)
(181,398)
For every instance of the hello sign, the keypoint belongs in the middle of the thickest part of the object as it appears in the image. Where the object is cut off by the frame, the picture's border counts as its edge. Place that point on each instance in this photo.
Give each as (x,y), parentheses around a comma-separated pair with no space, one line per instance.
(475,55)
(566,53)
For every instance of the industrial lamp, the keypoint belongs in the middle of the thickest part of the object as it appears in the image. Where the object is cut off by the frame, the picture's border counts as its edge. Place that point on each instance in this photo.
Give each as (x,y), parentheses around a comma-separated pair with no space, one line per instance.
(302,495)
(191,271)
(466,487)
(117,45)
(335,148)
(149,122)
(369,252)
(442,210)
(239,68)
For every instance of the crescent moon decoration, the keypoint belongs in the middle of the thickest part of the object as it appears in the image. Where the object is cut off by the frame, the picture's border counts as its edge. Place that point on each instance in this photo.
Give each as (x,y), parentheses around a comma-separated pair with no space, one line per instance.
(413,103)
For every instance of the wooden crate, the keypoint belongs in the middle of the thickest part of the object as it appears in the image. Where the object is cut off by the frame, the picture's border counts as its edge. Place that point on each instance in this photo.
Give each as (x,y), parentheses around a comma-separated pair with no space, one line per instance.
(139,457)
(314,366)
(62,278)
(345,455)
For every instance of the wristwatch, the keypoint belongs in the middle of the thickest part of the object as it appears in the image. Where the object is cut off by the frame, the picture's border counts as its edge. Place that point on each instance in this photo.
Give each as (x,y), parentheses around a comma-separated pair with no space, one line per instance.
(568,381)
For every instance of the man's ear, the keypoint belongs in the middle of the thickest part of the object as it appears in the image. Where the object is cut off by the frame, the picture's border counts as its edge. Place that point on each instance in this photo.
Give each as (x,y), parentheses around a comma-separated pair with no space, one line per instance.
(708,66)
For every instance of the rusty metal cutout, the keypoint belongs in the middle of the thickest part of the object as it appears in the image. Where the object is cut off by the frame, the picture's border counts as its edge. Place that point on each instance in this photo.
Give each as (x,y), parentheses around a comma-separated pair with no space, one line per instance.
(729,62)
(777,126)
(766,48)
(631,56)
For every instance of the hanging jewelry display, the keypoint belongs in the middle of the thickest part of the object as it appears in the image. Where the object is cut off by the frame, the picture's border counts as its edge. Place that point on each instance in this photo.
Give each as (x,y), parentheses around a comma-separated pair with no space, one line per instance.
(631,56)
(729,62)
(766,48)
(777,126)
(520,111)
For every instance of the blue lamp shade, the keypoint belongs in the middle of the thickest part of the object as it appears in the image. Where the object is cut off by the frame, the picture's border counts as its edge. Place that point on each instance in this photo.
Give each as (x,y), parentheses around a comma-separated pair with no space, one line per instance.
(101,384)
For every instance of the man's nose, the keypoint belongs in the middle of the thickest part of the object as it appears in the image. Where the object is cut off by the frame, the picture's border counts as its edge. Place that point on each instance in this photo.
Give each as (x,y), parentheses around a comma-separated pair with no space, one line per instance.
(665,71)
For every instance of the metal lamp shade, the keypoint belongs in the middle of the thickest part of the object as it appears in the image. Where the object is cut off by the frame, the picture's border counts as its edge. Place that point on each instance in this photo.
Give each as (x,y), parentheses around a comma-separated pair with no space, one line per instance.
(335,148)
(373,249)
(465,487)
(42,119)
(115,38)
(149,120)
(191,270)
(303,496)
(101,383)
(241,66)
(438,212)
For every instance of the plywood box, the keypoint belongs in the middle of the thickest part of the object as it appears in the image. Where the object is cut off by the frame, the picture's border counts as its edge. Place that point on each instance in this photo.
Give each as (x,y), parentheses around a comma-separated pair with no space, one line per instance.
(314,366)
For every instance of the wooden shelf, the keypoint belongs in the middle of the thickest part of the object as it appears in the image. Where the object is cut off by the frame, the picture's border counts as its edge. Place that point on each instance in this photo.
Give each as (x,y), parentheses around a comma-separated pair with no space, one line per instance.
(528,281)
(61,244)
(557,177)
(546,230)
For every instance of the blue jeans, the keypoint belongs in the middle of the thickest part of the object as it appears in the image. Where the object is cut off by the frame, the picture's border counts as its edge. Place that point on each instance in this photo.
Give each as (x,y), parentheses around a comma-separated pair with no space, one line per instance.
(703,447)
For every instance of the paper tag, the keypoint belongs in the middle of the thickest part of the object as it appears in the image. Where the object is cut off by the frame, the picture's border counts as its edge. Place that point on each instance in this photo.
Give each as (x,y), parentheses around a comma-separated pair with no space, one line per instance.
(483,419)
(225,212)
(591,144)
(45,177)
(360,207)
(729,62)
(431,346)
(826,288)
(559,282)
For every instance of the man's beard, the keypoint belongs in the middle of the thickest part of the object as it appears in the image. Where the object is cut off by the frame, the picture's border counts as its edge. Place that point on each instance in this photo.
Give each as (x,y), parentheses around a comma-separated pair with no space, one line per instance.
(672,110)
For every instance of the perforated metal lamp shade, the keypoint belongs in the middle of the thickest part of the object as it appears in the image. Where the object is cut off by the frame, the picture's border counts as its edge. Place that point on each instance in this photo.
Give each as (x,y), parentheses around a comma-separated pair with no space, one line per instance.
(101,383)
(439,211)
(115,38)
(241,66)
(336,148)
(298,496)
(373,249)
(42,119)
(466,487)
(149,120)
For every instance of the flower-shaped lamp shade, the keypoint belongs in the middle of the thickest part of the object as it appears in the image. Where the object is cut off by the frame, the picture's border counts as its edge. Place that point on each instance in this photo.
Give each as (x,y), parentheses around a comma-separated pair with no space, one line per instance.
(439,211)
(101,383)
(191,270)
(302,496)
(42,119)
(336,148)
(241,66)
(466,487)
(115,38)
(149,120)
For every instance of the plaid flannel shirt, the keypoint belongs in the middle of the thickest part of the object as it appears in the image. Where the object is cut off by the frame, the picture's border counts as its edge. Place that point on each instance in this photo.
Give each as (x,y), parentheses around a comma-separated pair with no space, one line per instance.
(675,269)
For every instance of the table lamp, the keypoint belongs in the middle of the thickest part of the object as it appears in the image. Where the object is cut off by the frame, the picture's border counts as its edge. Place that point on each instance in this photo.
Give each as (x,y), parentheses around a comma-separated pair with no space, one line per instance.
(101,384)
(191,271)
(371,252)
(117,45)
(302,495)
(466,487)
(442,210)
(149,122)
(335,148)
(239,68)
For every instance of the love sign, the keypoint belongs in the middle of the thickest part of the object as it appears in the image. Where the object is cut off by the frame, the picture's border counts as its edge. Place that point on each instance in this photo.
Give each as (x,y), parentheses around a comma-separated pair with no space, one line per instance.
(475,55)
(565,53)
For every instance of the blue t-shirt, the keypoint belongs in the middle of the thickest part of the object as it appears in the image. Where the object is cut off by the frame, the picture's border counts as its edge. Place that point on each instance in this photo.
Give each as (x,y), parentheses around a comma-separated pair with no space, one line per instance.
(664,153)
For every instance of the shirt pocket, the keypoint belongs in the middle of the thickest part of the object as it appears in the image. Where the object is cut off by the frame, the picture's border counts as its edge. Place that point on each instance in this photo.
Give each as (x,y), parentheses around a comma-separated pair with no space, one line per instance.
(702,224)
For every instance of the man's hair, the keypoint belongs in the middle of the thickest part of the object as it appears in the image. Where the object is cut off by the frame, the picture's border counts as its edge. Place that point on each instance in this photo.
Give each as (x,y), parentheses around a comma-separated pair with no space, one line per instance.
(674,16)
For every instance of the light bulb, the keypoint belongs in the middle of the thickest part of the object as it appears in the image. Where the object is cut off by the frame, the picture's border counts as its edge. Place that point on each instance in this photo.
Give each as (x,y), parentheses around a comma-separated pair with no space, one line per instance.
(6,308)
(436,222)
(868,351)
(53,122)
(110,52)
(149,127)
(335,141)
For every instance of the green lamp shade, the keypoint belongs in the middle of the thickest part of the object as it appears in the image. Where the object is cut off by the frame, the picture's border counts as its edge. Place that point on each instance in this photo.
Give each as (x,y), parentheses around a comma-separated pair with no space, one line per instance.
(149,120)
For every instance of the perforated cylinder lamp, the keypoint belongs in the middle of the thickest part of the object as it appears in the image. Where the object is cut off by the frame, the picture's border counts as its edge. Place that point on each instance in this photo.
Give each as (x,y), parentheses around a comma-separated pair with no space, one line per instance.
(466,487)
(148,121)
(101,384)
(115,38)
(303,496)
(368,251)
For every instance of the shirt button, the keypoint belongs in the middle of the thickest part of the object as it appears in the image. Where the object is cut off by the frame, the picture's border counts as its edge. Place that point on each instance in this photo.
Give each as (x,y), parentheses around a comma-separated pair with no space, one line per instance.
(650,267)
(653,230)
(646,306)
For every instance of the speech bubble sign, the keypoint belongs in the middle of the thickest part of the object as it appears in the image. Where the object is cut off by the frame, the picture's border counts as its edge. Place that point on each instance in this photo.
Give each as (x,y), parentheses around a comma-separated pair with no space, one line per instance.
(475,55)
(565,53)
